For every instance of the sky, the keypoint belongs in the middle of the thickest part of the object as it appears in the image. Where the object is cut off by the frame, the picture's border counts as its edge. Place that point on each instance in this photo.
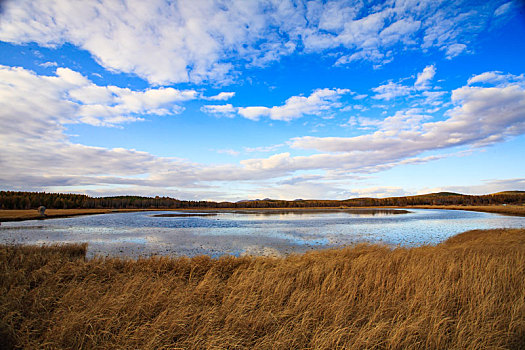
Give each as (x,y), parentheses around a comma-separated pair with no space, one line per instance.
(234,100)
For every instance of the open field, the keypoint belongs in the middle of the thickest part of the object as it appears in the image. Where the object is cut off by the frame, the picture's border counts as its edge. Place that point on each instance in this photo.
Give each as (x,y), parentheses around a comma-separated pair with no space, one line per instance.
(32,214)
(466,293)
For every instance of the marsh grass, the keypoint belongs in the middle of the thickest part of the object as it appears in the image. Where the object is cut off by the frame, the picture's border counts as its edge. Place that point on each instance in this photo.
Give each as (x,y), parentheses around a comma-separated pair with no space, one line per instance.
(513,210)
(466,293)
(33,214)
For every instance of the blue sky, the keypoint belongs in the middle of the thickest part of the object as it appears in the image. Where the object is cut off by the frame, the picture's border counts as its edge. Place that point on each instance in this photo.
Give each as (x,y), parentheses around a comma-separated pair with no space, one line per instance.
(230,100)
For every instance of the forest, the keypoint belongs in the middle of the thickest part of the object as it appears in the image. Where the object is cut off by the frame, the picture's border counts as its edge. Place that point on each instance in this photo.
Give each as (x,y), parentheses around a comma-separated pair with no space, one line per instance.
(32,200)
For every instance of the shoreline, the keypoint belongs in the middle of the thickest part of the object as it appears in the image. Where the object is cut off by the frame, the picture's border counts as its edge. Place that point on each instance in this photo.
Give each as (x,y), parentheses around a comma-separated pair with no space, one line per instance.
(7,215)
(32,214)
(510,210)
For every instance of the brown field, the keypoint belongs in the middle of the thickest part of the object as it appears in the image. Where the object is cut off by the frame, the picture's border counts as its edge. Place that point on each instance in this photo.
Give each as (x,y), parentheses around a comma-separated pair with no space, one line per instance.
(466,293)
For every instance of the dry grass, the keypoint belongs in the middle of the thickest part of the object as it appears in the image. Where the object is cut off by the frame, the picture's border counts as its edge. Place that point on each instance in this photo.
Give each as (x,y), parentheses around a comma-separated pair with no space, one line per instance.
(32,214)
(467,293)
(515,210)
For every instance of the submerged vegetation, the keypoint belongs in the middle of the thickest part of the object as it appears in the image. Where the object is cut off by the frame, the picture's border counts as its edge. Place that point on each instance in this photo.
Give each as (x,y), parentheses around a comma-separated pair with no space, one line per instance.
(464,293)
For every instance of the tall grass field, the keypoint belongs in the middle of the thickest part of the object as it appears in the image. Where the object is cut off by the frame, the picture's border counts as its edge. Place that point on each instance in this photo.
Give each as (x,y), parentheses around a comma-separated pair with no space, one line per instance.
(465,293)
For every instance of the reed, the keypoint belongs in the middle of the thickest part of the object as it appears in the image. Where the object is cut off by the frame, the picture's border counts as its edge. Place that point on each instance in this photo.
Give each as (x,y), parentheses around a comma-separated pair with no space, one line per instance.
(466,293)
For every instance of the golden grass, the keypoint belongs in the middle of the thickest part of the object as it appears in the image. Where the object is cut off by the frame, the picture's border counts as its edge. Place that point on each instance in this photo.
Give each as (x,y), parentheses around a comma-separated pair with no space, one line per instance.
(466,293)
(32,214)
(516,210)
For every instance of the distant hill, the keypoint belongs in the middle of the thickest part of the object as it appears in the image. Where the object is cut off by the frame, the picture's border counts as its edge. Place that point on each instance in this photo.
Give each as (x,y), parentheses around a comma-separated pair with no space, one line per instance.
(510,192)
(255,200)
(32,200)
(443,194)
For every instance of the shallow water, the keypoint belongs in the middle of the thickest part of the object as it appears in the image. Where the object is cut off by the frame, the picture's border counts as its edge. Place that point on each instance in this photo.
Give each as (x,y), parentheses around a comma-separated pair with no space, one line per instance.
(236,233)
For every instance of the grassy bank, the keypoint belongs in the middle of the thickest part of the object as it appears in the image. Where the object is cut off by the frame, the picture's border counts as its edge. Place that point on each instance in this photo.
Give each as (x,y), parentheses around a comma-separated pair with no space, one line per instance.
(515,210)
(33,214)
(464,293)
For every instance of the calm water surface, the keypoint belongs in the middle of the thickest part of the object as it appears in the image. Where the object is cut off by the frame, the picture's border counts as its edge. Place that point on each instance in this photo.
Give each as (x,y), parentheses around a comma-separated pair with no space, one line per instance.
(142,234)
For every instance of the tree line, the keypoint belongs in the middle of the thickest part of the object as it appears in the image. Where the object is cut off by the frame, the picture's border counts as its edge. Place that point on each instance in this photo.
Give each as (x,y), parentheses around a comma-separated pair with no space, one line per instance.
(32,200)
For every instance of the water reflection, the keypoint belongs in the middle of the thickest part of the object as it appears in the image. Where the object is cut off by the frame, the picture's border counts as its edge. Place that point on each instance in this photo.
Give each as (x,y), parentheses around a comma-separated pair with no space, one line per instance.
(275,232)
(284,213)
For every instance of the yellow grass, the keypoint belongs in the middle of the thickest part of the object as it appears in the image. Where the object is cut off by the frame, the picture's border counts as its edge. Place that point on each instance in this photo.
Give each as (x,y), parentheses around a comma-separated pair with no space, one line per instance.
(517,210)
(466,293)
(31,214)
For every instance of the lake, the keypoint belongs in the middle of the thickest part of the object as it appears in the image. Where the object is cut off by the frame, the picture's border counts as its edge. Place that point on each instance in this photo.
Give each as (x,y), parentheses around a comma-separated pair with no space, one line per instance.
(243,232)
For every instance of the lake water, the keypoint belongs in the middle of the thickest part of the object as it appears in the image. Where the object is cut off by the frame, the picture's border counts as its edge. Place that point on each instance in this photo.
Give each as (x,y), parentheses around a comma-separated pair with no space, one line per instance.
(143,234)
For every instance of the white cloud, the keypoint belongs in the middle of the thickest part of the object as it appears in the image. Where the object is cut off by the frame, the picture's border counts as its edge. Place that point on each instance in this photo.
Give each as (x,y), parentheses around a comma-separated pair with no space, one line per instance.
(208,40)
(400,31)
(36,110)
(263,149)
(35,152)
(447,26)
(373,55)
(404,120)
(226,110)
(503,9)
(390,91)
(454,50)
(86,102)
(497,78)
(363,123)
(481,116)
(393,90)
(184,41)
(48,64)
(32,134)
(377,192)
(487,77)
(433,98)
(319,101)
(424,78)
(253,113)
(280,160)
(230,152)
(222,96)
